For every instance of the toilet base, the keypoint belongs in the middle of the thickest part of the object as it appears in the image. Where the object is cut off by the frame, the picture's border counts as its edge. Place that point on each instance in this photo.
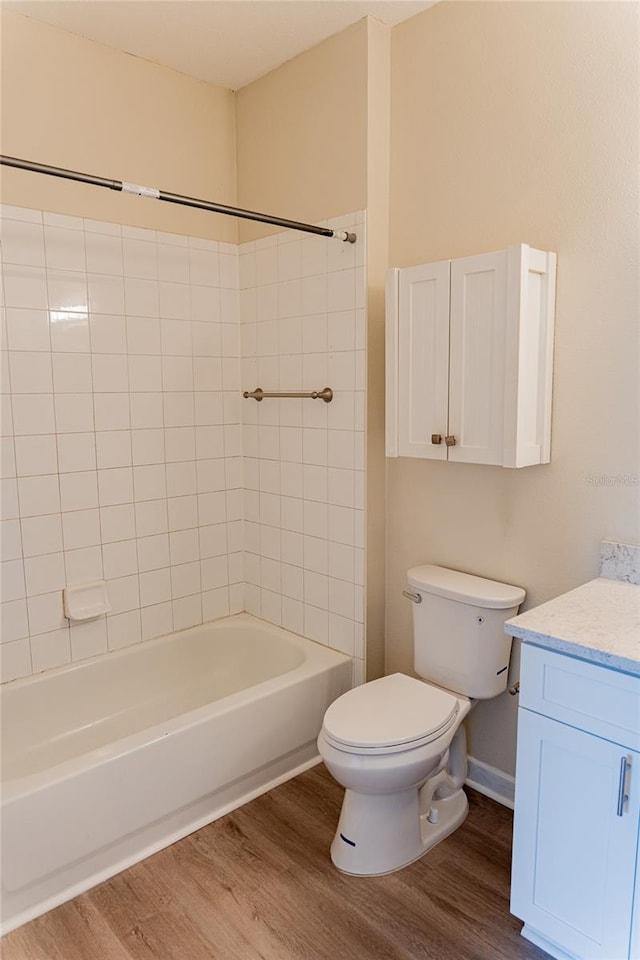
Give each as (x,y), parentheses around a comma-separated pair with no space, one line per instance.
(379,834)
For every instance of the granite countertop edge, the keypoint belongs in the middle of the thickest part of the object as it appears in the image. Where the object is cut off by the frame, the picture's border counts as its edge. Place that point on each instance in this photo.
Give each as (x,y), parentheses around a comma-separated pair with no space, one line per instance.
(577,624)
(605,658)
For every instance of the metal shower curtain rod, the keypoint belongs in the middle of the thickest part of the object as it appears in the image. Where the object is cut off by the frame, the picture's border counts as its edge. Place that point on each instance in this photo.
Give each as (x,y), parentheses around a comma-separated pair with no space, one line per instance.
(140,191)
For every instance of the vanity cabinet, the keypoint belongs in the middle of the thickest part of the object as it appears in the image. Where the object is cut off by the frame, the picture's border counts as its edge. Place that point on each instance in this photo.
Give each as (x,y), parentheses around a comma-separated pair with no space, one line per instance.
(577,807)
(469,356)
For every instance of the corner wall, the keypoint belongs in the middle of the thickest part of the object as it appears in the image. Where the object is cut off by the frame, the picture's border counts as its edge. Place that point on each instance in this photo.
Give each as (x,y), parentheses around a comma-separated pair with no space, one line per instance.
(70,102)
(302,135)
(519,122)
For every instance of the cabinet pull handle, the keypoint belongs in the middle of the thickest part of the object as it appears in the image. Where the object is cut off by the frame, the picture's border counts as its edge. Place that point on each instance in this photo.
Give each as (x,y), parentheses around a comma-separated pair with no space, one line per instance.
(436,438)
(623,785)
(450,441)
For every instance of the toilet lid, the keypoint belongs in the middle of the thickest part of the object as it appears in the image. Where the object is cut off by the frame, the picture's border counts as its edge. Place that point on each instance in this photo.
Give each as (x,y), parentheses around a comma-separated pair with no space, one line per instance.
(388,712)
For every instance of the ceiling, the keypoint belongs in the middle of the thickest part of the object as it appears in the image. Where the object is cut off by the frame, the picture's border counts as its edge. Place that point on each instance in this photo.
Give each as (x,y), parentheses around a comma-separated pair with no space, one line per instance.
(225,42)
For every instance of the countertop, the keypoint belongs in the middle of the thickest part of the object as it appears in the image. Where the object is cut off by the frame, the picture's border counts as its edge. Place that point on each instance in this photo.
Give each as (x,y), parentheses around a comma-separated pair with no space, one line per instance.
(599,621)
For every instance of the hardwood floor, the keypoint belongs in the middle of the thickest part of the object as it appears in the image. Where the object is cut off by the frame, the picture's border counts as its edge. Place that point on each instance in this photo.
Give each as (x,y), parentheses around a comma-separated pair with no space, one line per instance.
(259,885)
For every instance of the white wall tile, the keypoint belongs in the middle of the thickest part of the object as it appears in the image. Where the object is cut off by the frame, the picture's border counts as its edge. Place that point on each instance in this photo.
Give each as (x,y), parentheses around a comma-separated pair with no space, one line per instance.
(15,660)
(9,499)
(11,539)
(342,634)
(182,480)
(39,495)
(146,411)
(112,411)
(123,594)
(185,580)
(157,621)
(119,559)
(78,491)
(13,621)
(141,298)
(139,259)
(113,448)
(88,639)
(115,486)
(12,580)
(64,248)
(176,337)
(36,455)
(143,335)
(74,413)
(149,482)
(44,574)
(155,587)
(153,552)
(124,629)
(28,329)
(151,517)
(40,535)
(118,523)
(215,603)
(104,253)
(180,444)
(22,243)
(106,294)
(108,333)
(33,414)
(46,613)
(72,373)
(213,539)
(69,331)
(110,373)
(76,451)
(84,565)
(148,446)
(173,263)
(81,528)
(25,287)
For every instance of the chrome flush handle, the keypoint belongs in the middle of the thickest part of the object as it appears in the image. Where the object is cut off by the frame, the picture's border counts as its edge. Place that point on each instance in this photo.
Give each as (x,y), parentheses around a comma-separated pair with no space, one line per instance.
(415,597)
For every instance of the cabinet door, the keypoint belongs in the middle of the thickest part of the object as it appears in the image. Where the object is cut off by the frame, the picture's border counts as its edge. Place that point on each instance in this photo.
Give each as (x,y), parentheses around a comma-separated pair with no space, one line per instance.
(573,855)
(423,360)
(477,375)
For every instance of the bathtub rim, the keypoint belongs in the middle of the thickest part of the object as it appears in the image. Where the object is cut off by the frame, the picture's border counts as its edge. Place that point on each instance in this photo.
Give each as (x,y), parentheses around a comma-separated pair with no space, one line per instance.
(321,656)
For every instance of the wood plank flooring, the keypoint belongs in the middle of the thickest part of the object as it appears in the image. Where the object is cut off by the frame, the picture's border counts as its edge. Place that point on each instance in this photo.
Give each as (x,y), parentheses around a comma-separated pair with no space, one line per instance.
(259,885)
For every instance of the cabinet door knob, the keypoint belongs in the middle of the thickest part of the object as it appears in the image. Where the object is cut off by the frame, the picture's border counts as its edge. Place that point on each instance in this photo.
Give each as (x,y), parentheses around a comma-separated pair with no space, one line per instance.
(436,438)
(450,441)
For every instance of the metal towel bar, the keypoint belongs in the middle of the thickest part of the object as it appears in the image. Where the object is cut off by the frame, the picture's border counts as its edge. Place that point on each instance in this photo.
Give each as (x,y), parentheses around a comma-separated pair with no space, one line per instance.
(259,394)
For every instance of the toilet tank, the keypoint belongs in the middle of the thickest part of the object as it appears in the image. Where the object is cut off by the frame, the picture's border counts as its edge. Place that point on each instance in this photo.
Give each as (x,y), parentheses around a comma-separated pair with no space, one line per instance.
(458,630)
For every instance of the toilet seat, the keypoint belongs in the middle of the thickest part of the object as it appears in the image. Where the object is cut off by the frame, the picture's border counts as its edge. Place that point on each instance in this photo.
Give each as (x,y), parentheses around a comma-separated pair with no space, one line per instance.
(389,715)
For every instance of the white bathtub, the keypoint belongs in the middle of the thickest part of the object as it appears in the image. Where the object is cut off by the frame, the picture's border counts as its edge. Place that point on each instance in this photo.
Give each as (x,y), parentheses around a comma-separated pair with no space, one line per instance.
(106,761)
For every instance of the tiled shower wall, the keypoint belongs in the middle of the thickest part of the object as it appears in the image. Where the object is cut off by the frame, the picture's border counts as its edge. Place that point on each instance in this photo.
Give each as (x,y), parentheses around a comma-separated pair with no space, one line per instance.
(302,311)
(121,454)
(121,439)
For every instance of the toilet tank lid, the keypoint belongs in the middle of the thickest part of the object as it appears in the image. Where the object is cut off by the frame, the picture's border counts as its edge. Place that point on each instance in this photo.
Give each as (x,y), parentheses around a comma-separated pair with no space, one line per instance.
(464,587)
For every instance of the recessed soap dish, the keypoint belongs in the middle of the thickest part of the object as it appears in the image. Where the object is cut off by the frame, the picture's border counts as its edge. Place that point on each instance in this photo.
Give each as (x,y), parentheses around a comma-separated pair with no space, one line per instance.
(85,601)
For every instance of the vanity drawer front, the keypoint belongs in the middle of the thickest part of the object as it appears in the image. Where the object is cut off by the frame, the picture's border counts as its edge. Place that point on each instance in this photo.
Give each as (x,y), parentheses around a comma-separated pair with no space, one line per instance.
(594,698)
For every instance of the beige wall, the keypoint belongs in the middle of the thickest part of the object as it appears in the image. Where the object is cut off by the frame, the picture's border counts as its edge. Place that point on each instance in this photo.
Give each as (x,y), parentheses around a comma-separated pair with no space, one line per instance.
(70,102)
(519,122)
(378,139)
(302,135)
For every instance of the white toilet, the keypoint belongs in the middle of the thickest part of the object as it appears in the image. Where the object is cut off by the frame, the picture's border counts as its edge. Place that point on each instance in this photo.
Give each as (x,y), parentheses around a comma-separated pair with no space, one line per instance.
(397,744)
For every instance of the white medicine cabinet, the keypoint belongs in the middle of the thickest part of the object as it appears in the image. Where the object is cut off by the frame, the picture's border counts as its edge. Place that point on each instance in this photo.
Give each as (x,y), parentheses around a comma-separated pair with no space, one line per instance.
(469,358)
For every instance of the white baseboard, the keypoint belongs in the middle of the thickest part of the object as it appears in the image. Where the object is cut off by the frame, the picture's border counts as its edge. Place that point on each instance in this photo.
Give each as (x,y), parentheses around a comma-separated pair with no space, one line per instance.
(490,781)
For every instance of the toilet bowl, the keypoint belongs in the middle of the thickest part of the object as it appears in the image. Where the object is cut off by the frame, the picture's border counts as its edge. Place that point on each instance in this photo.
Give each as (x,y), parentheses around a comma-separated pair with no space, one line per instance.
(388,743)
(397,744)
